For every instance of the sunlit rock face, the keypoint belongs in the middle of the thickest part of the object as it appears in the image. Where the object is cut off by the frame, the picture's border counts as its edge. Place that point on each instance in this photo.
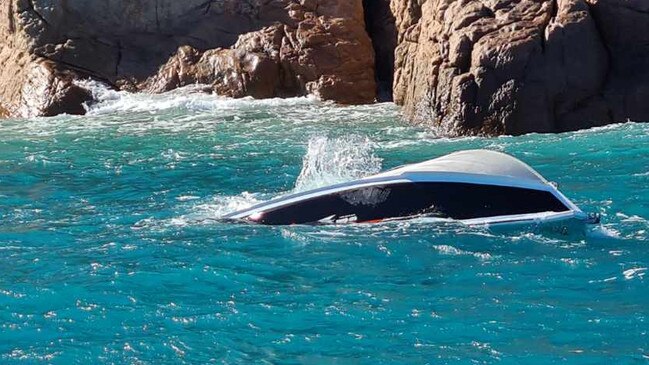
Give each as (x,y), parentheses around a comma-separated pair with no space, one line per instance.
(460,67)
(259,48)
(498,67)
(519,66)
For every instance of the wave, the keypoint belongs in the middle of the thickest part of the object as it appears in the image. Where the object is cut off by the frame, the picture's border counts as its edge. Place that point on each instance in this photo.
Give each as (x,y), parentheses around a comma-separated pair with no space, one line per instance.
(334,160)
(193,97)
(326,161)
(453,251)
(202,213)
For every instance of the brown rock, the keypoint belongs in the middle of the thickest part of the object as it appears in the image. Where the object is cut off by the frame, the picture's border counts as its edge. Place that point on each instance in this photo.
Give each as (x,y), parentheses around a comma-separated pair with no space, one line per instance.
(497,67)
(461,66)
(46,92)
(250,69)
(33,86)
(179,71)
(329,58)
(258,48)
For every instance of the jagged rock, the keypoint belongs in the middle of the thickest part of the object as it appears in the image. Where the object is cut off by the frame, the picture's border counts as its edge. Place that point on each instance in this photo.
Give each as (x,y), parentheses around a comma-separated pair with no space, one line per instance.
(323,47)
(251,68)
(32,86)
(320,56)
(46,92)
(496,67)
(461,66)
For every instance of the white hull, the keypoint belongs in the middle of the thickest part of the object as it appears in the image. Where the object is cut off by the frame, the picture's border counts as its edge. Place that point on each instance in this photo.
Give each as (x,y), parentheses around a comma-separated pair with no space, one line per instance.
(564,223)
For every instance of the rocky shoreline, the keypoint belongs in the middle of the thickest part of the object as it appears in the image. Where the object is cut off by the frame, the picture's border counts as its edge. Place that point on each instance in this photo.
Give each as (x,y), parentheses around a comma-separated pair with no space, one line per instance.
(459,66)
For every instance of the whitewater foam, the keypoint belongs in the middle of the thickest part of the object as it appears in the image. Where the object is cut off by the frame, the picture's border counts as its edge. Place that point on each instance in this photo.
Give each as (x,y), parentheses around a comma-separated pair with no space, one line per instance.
(453,251)
(327,161)
(334,160)
(204,212)
(195,97)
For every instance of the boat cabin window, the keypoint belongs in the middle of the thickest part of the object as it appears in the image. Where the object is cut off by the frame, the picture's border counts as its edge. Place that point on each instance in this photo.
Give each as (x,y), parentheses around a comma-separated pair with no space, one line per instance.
(434,199)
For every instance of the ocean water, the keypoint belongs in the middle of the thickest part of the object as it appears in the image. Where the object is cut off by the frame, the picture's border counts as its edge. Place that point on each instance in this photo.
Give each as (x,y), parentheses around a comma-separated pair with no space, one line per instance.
(111,248)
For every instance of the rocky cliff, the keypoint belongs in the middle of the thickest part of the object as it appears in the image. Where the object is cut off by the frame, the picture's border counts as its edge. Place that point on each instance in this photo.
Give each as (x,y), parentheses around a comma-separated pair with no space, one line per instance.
(518,66)
(262,48)
(459,66)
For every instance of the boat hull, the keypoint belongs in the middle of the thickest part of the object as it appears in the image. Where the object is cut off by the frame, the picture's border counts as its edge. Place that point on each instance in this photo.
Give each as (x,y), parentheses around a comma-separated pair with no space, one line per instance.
(474,187)
(564,223)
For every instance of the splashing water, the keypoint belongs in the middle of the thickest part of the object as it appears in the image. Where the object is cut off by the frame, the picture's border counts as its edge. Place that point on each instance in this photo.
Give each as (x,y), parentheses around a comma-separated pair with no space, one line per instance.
(111,251)
(329,161)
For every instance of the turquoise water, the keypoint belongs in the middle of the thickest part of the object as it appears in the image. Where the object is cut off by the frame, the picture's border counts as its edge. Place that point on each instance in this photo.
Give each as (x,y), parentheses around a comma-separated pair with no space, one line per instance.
(111,250)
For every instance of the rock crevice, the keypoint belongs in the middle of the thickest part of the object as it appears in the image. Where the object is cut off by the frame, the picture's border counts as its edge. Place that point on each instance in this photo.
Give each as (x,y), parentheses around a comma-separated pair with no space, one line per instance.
(381,28)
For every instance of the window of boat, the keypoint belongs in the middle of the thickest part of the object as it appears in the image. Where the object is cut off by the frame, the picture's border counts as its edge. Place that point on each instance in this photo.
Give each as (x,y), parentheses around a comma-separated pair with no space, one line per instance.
(434,199)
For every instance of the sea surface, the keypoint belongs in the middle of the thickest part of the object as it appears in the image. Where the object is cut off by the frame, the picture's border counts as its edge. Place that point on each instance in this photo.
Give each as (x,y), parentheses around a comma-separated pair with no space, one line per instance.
(112,251)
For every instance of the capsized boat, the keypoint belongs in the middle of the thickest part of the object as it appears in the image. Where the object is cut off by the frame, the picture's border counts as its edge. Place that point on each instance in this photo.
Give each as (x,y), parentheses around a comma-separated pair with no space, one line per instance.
(475,187)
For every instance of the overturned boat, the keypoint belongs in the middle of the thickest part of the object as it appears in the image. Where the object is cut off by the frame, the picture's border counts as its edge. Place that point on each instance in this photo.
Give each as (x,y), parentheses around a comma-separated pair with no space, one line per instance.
(475,187)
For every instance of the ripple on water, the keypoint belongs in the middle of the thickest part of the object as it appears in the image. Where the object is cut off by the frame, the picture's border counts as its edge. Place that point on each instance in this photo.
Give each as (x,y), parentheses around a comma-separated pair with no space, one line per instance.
(112,251)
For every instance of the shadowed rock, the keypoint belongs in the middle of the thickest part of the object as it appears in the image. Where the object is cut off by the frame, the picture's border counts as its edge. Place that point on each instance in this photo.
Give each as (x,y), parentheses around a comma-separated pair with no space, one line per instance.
(624,27)
(380,25)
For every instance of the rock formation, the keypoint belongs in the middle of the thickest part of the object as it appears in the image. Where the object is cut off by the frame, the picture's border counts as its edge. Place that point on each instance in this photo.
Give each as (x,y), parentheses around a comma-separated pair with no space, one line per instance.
(519,66)
(279,48)
(459,66)
(280,60)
